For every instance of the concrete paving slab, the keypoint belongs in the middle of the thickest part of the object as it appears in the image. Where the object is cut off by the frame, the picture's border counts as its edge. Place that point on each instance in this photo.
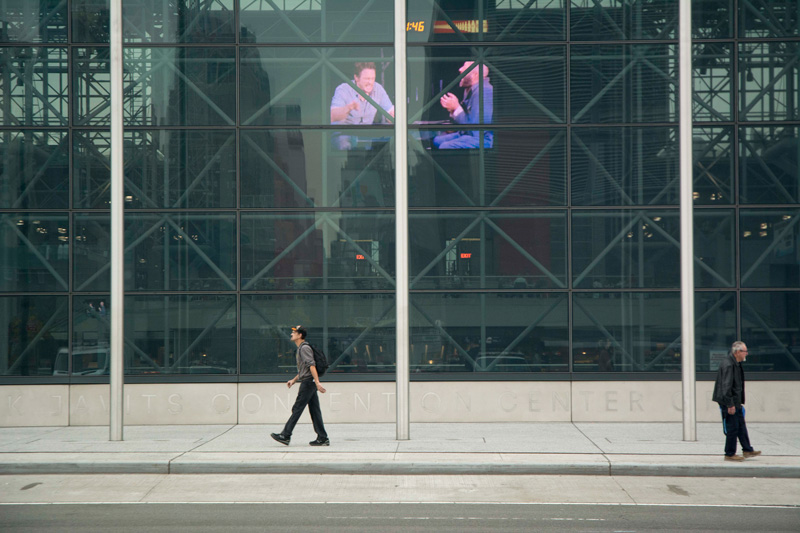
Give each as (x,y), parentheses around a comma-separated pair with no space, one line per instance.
(136,439)
(785,436)
(541,438)
(389,489)
(498,437)
(87,488)
(11,438)
(256,438)
(667,438)
(710,490)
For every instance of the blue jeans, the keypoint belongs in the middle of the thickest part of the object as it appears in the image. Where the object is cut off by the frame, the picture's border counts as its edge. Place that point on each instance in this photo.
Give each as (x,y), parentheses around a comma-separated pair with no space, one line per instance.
(450,141)
(735,428)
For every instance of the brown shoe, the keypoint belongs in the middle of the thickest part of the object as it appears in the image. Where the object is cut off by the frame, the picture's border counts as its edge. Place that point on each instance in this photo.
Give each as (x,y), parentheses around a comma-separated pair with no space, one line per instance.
(734,458)
(754,453)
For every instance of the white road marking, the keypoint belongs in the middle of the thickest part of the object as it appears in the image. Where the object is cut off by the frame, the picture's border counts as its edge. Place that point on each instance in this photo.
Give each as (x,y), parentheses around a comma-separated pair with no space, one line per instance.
(627,504)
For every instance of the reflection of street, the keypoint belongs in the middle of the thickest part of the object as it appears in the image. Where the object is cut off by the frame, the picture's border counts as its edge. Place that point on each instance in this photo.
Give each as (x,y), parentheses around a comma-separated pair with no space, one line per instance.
(32,338)
(367,176)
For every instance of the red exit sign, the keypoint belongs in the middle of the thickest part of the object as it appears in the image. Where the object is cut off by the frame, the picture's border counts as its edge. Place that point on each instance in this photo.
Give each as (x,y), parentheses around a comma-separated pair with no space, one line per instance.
(359,257)
(466,256)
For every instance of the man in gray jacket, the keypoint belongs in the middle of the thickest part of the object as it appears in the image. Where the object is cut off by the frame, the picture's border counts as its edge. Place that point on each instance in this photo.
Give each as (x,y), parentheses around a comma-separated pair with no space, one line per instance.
(307,395)
(729,394)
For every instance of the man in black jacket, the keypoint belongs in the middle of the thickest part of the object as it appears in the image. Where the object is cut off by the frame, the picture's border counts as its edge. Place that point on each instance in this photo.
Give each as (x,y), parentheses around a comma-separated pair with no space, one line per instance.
(729,394)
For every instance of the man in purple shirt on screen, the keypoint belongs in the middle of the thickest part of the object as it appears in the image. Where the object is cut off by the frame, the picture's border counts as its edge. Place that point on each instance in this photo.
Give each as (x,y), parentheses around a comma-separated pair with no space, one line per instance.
(349,106)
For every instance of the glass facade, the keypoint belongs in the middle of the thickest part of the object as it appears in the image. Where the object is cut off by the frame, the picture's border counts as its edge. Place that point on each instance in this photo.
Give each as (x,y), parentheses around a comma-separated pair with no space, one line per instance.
(259,146)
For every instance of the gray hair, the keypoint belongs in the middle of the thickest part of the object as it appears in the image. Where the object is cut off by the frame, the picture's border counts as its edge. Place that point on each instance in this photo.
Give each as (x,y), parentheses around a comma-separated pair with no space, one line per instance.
(737,346)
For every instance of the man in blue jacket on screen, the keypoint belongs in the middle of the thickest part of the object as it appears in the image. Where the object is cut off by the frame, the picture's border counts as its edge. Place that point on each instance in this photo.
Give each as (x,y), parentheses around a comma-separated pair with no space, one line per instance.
(468,109)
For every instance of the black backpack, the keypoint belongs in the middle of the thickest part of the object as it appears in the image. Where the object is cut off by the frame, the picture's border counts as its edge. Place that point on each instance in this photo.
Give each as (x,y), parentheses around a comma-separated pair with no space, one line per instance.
(320,360)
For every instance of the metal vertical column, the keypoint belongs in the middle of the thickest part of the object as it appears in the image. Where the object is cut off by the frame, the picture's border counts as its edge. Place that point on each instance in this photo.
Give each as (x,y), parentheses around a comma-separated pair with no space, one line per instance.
(401,219)
(687,227)
(117,228)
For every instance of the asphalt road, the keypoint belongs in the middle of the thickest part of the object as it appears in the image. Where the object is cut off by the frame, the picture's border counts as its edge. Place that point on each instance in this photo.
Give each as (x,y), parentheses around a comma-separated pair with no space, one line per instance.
(357,518)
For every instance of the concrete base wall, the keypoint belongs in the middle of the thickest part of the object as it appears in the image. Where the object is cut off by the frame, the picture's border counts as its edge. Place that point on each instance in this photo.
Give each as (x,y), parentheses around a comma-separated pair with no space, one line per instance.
(451,401)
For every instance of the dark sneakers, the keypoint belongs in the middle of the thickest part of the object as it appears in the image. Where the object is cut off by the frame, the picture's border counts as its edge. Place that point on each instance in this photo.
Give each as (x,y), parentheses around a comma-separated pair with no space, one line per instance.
(280,438)
(283,439)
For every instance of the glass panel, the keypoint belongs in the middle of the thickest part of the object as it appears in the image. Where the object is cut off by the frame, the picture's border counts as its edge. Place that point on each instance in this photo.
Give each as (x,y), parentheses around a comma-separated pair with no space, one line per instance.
(91,169)
(163,86)
(306,168)
(477,20)
(523,168)
(712,19)
(91,331)
(714,243)
(180,168)
(769,81)
(625,166)
(313,21)
(91,72)
(34,333)
(185,21)
(489,333)
(771,325)
(769,18)
(293,86)
(770,247)
(622,249)
(715,328)
(34,169)
(487,250)
(180,334)
(179,86)
(317,251)
(91,252)
(34,88)
(516,85)
(712,78)
(592,20)
(713,166)
(356,332)
(768,168)
(42,22)
(626,332)
(162,169)
(90,21)
(35,252)
(171,251)
(617,83)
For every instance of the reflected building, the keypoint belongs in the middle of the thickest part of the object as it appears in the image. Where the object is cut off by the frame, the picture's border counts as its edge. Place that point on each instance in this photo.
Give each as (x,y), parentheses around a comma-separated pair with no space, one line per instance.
(551,254)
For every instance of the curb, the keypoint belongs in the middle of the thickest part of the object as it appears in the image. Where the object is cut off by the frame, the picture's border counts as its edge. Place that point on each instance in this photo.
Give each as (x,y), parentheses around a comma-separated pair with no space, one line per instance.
(33,463)
(387,469)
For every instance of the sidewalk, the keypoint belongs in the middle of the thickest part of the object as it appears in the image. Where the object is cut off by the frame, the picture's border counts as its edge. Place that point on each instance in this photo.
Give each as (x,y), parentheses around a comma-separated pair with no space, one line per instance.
(617,449)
